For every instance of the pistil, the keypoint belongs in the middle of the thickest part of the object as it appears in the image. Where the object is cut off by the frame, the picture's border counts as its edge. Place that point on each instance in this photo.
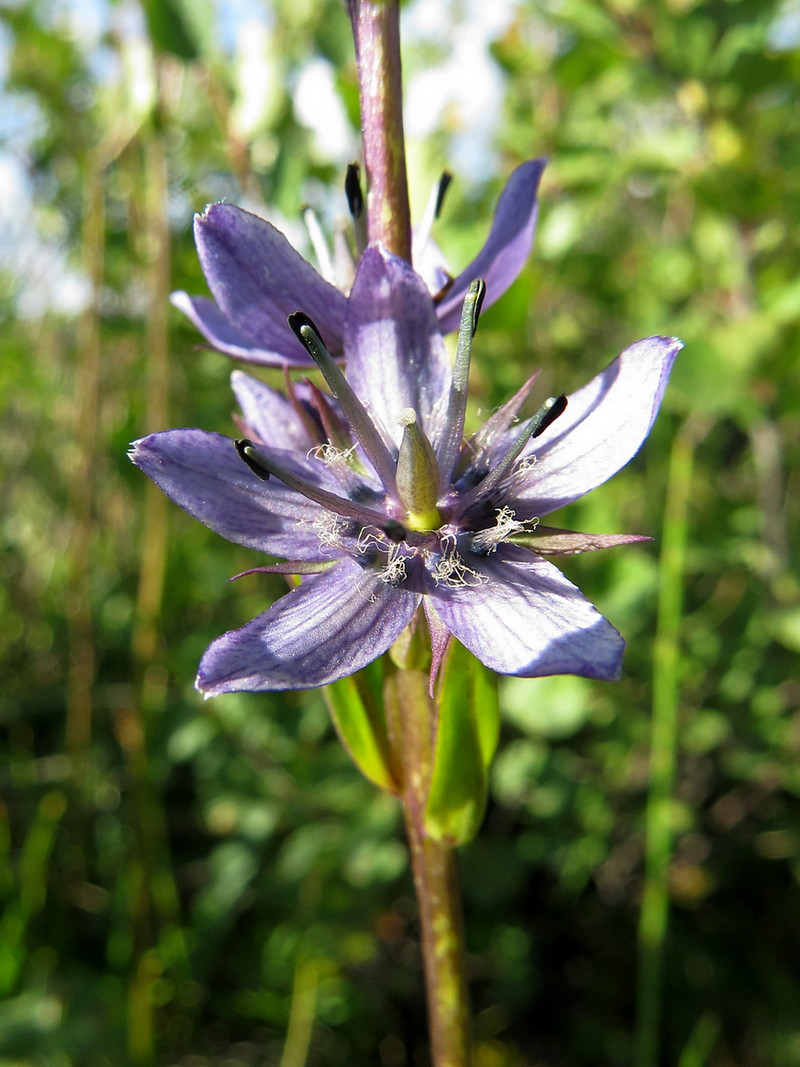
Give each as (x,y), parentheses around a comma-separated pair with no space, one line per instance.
(417,475)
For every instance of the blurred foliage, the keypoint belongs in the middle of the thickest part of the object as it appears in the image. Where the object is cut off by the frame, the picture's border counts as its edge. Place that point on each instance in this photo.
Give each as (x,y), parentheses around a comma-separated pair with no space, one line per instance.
(186,883)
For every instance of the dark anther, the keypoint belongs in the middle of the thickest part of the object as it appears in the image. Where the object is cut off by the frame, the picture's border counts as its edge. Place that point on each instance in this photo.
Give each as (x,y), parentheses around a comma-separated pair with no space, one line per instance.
(558,408)
(444,185)
(246,454)
(353,191)
(297,320)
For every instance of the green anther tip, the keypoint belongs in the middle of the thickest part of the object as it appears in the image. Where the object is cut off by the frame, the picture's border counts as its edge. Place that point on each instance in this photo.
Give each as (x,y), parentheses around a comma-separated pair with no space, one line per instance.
(471,310)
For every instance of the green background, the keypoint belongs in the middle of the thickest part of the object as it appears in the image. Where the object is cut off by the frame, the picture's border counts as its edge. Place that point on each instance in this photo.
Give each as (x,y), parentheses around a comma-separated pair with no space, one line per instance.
(197,883)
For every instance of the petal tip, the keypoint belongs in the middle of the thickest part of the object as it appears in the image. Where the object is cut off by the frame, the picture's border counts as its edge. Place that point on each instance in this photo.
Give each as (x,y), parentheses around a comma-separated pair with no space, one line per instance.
(181,300)
(207,692)
(136,448)
(672,344)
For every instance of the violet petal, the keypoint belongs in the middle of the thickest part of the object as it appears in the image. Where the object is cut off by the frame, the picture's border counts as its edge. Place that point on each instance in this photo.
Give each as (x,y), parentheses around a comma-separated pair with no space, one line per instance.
(507,246)
(330,626)
(227,338)
(601,430)
(203,474)
(395,355)
(258,280)
(269,416)
(528,620)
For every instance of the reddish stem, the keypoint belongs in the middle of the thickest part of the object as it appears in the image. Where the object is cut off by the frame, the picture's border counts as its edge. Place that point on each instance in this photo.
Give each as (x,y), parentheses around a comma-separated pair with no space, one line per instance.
(411,715)
(376,29)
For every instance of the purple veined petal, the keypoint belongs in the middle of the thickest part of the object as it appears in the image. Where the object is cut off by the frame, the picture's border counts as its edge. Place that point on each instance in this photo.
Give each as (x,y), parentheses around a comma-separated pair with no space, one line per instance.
(601,430)
(528,620)
(395,354)
(203,473)
(258,280)
(507,246)
(330,626)
(269,416)
(227,338)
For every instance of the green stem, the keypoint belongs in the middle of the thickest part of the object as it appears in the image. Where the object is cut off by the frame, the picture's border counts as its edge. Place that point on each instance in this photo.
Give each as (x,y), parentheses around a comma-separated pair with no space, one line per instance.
(411,714)
(663,750)
(376,30)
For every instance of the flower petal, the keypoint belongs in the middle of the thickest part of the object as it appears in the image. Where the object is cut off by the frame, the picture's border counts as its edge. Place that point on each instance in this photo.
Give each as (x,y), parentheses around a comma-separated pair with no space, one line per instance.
(602,428)
(225,337)
(258,280)
(528,620)
(268,415)
(507,246)
(203,474)
(330,626)
(395,354)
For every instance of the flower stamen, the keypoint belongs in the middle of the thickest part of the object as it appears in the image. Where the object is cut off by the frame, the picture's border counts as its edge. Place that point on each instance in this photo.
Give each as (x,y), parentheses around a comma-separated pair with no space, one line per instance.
(329,529)
(547,414)
(449,568)
(506,525)
(330,455)
(356,414)
(394,570)
(355,203)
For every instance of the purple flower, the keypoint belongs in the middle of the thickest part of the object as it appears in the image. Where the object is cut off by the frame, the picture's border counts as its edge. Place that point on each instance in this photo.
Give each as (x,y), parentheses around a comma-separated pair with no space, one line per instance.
(257,279)
(376,498)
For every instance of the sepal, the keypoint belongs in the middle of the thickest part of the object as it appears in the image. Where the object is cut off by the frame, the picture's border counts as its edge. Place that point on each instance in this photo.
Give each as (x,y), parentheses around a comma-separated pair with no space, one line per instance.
(466,739)
(361,727)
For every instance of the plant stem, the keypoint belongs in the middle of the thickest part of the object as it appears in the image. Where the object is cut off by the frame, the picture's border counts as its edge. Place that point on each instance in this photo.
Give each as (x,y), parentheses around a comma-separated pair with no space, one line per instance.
(411,714)
(376,30)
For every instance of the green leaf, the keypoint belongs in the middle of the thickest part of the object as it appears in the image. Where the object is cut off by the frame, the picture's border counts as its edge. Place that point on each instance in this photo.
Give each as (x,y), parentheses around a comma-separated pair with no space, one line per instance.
(362,728)
(185,30)
(466,739)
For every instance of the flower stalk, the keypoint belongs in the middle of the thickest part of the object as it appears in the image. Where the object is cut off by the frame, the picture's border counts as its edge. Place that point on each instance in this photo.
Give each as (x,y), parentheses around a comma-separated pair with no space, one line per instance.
(376,30)
(411,714)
